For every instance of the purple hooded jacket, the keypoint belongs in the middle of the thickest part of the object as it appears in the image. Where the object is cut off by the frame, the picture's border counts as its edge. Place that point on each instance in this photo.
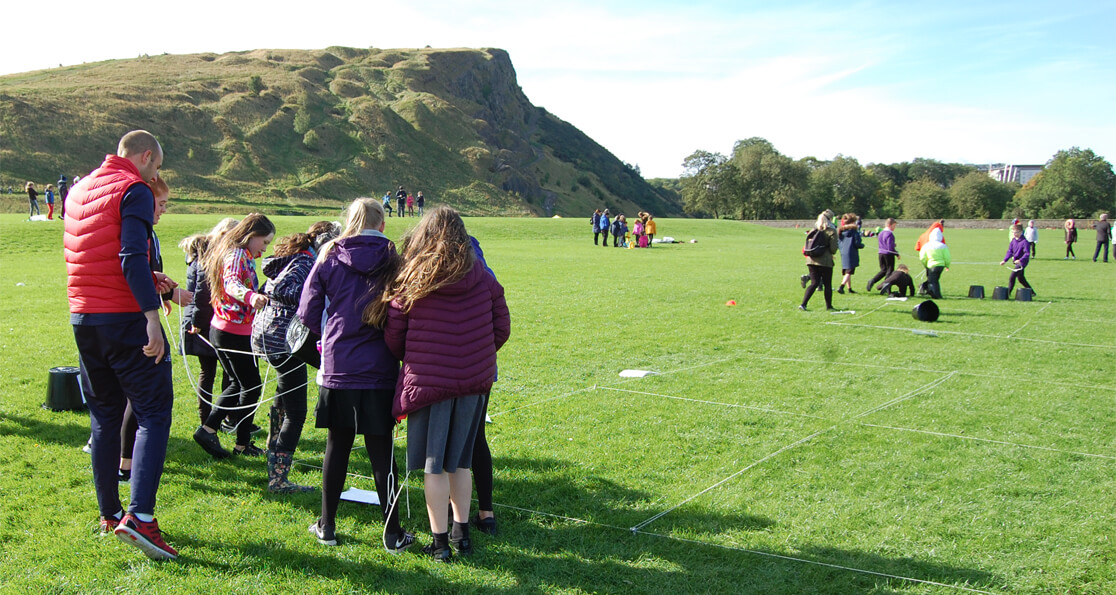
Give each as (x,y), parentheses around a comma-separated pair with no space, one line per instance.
(354,355)
(1019,249)
(448,341)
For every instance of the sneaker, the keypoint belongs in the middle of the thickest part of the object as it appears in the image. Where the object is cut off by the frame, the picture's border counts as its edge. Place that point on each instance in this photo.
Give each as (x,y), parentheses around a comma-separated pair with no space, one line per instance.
(248,451)
(440,554)
(801,307)
(324,534)
(210,443)
(88,448)
(396,544)
(145,536)
(487,526)
(108,525)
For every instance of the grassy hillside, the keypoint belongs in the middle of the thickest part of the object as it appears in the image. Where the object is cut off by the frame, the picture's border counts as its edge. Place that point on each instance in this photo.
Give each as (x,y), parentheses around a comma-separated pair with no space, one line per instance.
(295,131)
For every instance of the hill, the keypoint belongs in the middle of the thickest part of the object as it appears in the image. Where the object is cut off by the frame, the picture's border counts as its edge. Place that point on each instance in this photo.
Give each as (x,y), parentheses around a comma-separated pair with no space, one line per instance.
(300,131)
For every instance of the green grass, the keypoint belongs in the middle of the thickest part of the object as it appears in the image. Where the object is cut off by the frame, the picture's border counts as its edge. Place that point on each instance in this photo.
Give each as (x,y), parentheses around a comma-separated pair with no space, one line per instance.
(791,452)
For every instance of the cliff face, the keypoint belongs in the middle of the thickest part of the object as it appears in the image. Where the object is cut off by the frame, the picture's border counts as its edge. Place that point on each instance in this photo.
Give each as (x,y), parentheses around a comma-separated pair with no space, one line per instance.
(295,131)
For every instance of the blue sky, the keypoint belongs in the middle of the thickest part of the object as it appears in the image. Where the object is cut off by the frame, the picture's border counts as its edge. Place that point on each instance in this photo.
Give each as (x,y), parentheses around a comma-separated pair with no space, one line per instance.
(653,81)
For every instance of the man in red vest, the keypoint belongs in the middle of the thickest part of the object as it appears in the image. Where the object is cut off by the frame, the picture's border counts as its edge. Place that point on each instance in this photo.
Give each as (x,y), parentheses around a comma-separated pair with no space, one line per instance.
(114,309)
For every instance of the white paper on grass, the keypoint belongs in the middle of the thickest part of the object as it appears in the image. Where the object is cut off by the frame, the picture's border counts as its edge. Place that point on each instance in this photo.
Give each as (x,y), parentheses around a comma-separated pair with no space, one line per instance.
(360,496)
(635,373)
(844,312)
(896,299)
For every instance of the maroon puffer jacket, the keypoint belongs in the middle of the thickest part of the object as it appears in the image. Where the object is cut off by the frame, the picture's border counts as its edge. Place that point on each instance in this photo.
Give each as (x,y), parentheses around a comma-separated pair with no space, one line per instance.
(448,341)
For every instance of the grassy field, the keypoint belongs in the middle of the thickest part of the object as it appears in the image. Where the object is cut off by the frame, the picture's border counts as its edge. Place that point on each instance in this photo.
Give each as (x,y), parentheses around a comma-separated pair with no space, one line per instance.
(774,451)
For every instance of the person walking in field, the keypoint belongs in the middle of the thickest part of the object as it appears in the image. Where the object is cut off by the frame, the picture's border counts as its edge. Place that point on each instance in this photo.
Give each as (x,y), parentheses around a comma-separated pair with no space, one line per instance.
(63,192)
(936,258)
(420,202)
(849,242)
(114,310)
(1018,254)
(1104,235)
(50,201)
(1031,235)
(820,266)
(401,202)
(887,252)
(1071,239)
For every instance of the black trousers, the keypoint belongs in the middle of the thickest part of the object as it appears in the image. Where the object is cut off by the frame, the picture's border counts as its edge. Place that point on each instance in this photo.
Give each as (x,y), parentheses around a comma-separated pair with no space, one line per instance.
(240,366)
(822,276)
(933,285)
(1100,246)
(290,396)
(887,267)
(1017,275)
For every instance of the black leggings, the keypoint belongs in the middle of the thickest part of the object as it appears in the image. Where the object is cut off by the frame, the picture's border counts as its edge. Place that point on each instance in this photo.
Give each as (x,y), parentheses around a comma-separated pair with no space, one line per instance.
(206,377)
(482,464)
(887,267)
(290,396)
(244,384)
(339,443)
(822,276)
(1069,250)
(1017,275)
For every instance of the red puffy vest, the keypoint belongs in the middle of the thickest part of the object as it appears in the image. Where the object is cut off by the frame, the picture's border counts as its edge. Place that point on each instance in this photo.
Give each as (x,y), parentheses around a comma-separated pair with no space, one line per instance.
(95,282)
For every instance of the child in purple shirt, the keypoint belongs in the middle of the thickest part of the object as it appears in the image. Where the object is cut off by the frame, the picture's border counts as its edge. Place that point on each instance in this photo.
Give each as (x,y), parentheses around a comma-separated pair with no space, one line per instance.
(887,252)
(1019,253)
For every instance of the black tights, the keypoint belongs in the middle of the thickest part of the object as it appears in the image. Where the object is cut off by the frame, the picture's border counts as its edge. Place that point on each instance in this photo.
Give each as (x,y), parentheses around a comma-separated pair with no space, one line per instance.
(482,465)
(339,443)
(206,377)
(822,276)
(1069,250)
(1017,276)
(240,366)
(290,396)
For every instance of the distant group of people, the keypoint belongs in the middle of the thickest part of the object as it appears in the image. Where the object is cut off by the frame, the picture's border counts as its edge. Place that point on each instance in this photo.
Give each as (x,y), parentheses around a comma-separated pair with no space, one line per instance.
(361,307)
(826,239)
(49,193)
(640,235)
(405,203)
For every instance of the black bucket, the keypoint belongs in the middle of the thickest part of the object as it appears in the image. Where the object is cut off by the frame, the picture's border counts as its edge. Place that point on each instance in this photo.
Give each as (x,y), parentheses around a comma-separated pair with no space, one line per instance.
(976,291)
(64,390)
(1000,293)
(1023,294)
(925,312)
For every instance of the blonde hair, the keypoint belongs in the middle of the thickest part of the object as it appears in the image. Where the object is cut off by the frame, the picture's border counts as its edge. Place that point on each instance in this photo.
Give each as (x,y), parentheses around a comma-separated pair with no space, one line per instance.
(436,253)
(195,246)
(29,186)
(363,213)
(213,261)
(822,223)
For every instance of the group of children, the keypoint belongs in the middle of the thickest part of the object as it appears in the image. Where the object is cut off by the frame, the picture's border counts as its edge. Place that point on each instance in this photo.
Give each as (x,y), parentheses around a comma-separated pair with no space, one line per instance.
(640,235)
(405,203)
(49,192)
(826,239)
(366,309)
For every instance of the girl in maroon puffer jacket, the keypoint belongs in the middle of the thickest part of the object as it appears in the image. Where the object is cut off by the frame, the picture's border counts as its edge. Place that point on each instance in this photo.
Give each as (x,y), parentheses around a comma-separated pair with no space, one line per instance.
(444,316)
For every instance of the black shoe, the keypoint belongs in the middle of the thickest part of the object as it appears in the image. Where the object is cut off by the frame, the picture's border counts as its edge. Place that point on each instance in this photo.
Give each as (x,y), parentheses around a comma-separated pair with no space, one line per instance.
(850,290)
(397,543)
(487,526)
(248,451)
(869,287)
(210,443)
(440,554)
(841,289)
(123,475)
(324,534)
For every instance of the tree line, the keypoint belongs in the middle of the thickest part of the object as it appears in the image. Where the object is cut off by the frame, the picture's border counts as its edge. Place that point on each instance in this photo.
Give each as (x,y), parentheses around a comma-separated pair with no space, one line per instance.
(758,182)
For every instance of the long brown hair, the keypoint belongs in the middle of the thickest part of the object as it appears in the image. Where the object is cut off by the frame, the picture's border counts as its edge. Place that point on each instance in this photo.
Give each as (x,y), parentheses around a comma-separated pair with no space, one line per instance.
(436,253)
(213,261)
(299,242)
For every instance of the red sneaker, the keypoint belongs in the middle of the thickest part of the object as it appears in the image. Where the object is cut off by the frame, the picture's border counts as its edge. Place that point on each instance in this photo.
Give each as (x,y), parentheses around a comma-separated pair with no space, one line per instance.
(145,536)
(109,525)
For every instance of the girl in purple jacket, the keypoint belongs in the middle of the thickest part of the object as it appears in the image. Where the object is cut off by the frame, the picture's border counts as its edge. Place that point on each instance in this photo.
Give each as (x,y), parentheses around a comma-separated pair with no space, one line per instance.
(445,316)
(358,372)
(1019,253)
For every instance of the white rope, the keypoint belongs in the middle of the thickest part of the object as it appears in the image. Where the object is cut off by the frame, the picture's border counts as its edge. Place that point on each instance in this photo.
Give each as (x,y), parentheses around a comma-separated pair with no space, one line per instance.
(894,401)
(1001,442)
(980,335)
(722,404)
(1035,315)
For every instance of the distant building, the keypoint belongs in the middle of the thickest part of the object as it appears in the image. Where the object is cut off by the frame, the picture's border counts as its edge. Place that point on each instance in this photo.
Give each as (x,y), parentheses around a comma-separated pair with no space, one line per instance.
(1014,173)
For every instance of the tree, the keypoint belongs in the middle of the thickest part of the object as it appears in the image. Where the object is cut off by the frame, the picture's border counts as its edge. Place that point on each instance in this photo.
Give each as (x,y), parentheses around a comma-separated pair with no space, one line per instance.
(770,184)
(708,183)
(942,174)
(255,84)
(842,185)
(977,196)
(1076,182)
(924,199)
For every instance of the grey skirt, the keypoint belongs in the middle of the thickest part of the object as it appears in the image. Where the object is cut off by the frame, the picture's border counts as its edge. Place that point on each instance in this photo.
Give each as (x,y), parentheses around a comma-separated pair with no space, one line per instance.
(440,437)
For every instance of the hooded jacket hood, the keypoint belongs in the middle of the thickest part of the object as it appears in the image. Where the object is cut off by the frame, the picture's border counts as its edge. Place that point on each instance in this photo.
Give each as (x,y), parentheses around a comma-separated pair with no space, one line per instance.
(273,265)
(365,254)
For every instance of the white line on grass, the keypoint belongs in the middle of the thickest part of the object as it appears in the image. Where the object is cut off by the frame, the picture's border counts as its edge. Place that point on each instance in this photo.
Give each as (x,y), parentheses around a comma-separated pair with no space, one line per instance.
(1035,315)
(894,401)
(900,429)
(722,404)
(981,335)
(743,550)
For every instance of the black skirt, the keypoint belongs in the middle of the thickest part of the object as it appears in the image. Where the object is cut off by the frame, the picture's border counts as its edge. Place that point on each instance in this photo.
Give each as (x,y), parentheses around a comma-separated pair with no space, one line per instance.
(366,410)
